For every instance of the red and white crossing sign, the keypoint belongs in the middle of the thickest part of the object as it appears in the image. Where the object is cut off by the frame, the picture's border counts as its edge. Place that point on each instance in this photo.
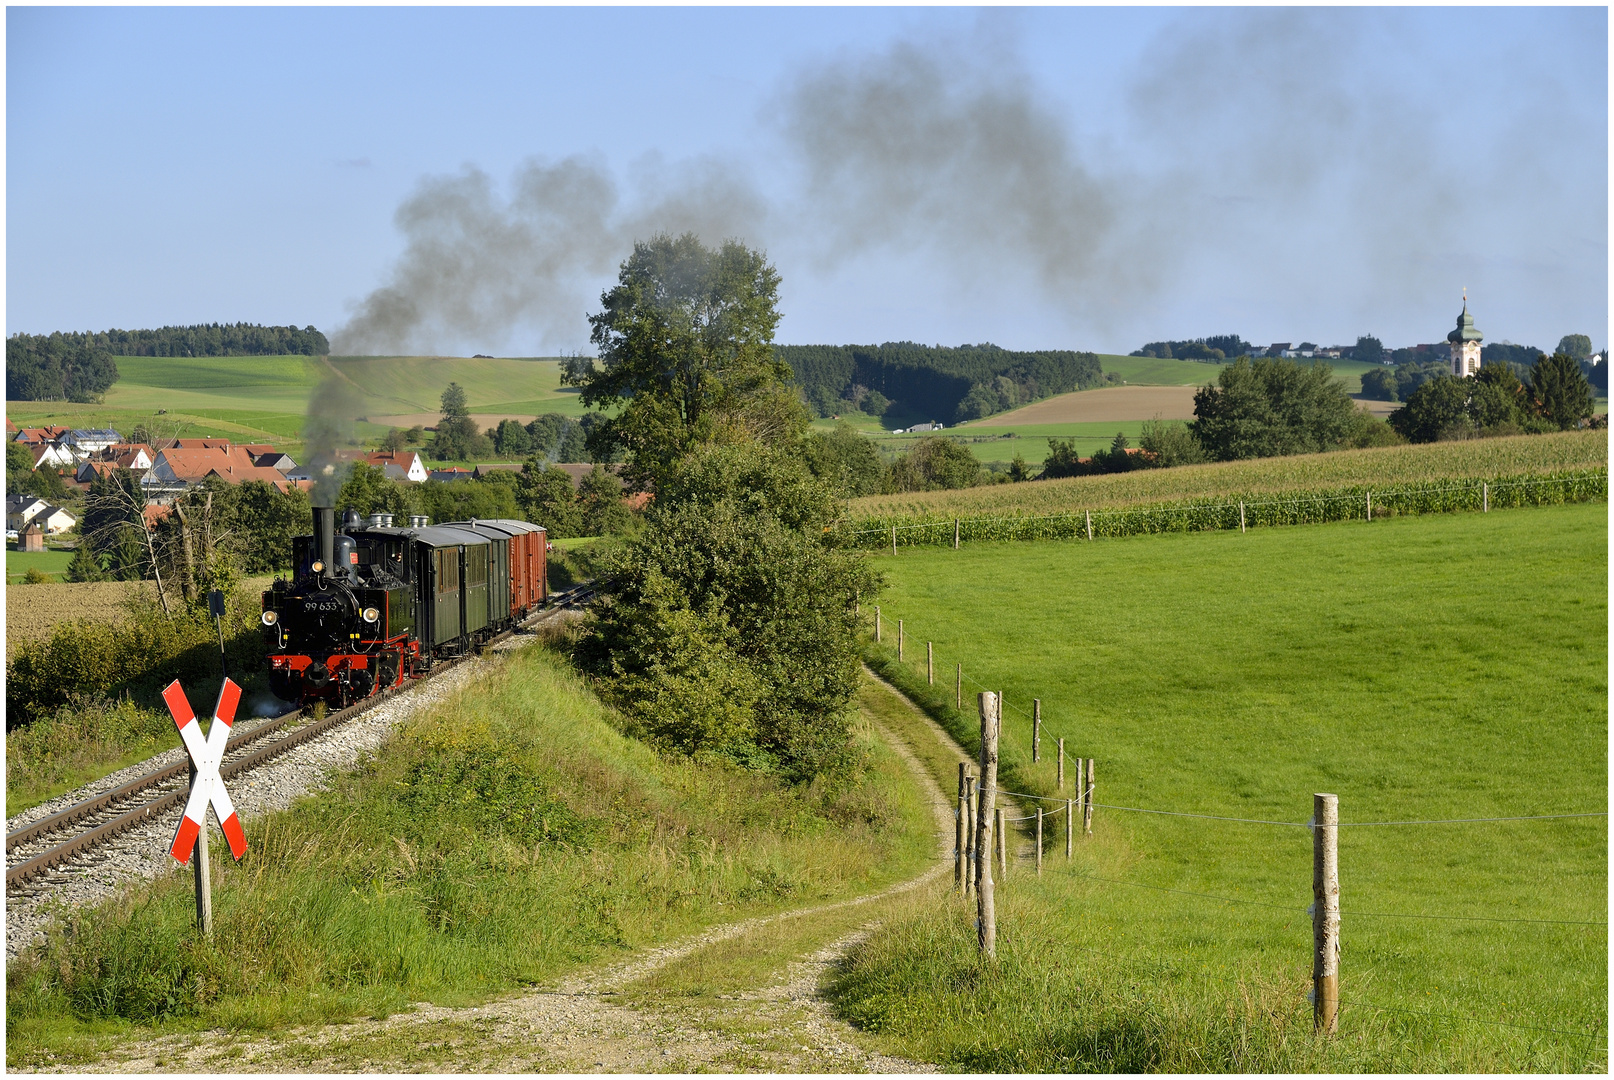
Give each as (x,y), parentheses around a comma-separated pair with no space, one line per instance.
(206,754)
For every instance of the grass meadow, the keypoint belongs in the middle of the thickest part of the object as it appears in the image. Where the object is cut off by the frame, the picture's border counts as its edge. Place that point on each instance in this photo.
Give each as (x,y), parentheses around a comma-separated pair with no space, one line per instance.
(504,836)
(18,563)
(1421,668)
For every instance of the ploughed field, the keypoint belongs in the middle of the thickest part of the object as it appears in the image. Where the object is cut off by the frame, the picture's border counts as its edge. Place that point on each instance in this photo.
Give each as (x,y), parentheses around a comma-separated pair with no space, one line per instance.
(1421,668)
(34,611)
(1104,404)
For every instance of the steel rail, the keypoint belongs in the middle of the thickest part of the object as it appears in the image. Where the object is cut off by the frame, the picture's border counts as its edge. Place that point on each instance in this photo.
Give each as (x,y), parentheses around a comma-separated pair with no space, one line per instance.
(31,868)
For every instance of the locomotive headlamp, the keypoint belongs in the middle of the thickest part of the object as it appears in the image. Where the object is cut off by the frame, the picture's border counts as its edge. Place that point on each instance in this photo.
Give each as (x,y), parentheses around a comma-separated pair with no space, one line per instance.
(270,618)
(370,614)
(318,567)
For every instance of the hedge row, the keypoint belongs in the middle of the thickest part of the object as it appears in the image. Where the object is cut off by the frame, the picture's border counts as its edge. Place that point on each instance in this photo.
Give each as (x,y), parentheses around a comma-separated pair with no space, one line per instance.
(1305,507)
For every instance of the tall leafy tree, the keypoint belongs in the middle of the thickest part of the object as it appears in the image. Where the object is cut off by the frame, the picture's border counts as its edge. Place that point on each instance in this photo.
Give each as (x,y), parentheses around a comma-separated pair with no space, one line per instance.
(685,341)
(1270,407)
(1368,348)
(1561,393)
(1575,346)
(1438,407)
(457,438)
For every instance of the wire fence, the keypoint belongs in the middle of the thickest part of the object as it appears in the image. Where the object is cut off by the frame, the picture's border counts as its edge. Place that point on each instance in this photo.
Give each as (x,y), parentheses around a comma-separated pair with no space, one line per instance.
(1303,507)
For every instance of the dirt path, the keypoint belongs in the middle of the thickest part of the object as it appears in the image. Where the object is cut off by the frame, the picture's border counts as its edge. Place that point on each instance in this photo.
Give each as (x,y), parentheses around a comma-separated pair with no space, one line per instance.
(596,1021)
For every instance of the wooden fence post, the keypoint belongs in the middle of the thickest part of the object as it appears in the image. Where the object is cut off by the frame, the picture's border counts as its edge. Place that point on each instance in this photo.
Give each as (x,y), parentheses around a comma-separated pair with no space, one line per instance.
(1060,769)
(1241,515)
(1003,846)
(930,664)
(1039,840)
(1070,824)
(1325,913)
(877,624)
(1087,802)
(204,883)
(1485,498)
(1036,729)
(955,534)
(960,829)
(893,539)
(899,639)
(1370,506)
(1089,524)
(959,693)
(971,798)
(986,911)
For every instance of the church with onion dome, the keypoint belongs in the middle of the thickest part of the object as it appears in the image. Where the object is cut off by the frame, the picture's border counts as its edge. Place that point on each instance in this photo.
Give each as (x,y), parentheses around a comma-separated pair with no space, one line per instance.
(1465,344)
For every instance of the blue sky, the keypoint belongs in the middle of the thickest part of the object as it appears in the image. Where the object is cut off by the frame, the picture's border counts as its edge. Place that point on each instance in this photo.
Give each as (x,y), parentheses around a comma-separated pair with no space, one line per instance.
(459,180)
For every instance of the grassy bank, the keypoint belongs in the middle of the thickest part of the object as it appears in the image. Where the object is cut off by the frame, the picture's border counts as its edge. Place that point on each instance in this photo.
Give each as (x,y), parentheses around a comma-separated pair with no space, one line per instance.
(1476,459)
(1421,668)
(506,835)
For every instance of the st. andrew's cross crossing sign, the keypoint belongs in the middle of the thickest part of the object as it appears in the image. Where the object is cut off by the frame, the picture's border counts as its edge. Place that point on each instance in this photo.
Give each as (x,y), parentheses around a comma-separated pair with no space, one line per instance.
(207,786)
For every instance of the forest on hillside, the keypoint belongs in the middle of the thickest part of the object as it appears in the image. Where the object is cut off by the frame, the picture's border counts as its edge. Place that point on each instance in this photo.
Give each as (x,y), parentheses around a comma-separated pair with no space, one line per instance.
(933,382)
(203,339)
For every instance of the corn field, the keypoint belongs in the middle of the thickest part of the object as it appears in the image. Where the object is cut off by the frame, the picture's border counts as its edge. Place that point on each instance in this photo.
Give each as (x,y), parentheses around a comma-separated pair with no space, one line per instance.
(1297,507)
(1379,468)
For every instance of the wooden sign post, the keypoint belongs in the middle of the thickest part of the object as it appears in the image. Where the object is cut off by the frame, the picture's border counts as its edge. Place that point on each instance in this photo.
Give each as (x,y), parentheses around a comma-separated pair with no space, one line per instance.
(207,788)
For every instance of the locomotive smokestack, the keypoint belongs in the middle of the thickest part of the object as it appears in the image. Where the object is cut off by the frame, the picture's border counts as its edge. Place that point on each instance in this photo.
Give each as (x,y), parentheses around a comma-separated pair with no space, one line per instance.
(324,537)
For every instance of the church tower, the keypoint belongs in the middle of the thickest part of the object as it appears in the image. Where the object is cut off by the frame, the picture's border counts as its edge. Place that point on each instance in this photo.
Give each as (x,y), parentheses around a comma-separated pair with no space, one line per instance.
(1465,344)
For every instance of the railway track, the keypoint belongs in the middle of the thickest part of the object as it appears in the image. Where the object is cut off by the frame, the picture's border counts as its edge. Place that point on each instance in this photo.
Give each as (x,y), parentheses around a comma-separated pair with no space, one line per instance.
(40,846)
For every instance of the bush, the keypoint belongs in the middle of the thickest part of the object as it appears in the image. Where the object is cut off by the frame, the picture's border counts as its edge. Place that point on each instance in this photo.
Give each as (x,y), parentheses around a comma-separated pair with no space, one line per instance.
(137,657)
(935,464)
(1379,385)
(1170,443)
(67,747)
(1064,460)
(727,626)
(1268,408)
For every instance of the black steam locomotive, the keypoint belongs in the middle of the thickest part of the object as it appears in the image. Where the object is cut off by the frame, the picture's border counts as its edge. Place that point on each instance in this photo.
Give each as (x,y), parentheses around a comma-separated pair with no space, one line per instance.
(373,605)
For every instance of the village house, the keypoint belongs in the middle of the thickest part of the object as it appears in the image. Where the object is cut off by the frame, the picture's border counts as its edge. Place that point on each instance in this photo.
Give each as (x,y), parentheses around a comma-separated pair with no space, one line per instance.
(86,441)
(25,510)
(183,466)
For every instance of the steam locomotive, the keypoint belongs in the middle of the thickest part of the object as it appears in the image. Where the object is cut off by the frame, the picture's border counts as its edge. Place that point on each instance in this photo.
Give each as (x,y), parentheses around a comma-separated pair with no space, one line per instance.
(372,605)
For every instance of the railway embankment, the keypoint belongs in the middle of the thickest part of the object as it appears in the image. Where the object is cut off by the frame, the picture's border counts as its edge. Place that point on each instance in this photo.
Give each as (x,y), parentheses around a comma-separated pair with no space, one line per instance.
(500,834)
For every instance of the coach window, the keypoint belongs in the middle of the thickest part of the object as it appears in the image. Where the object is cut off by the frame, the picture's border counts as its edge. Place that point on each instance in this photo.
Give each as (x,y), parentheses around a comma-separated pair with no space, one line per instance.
(448,571)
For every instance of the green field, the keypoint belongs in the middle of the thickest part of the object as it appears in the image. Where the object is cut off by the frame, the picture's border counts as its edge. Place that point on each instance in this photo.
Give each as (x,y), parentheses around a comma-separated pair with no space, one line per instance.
(264,398)
(1420,668)
(1149,371)
(51,562)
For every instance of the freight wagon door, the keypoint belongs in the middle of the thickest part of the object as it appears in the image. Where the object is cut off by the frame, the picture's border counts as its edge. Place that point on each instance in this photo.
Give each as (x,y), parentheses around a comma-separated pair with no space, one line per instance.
(446,607)
(475,587)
